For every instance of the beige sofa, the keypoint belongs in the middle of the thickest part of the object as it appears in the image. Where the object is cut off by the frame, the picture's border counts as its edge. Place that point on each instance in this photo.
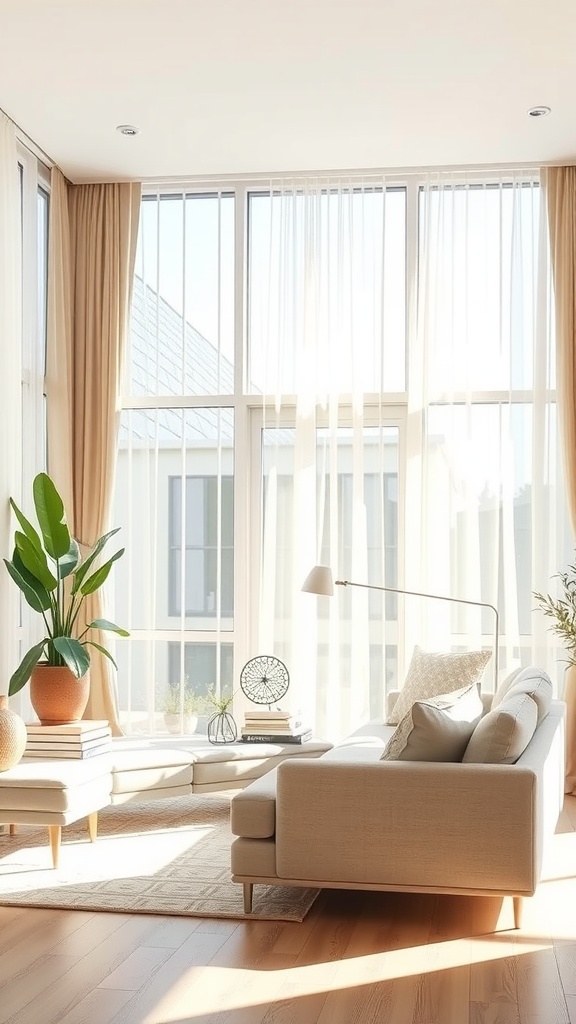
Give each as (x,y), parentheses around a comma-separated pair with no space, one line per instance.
(352,820)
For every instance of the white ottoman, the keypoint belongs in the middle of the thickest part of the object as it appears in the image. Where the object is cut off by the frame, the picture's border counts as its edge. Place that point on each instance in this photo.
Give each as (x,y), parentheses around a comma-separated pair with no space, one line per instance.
(55,793)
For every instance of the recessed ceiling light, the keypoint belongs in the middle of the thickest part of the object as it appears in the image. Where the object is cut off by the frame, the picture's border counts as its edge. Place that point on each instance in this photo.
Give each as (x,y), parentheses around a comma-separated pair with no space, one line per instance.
(127,129)
(539,111)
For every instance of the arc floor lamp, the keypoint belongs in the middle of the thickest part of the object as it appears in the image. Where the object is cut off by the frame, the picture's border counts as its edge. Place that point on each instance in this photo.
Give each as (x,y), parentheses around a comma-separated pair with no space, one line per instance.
(320,581)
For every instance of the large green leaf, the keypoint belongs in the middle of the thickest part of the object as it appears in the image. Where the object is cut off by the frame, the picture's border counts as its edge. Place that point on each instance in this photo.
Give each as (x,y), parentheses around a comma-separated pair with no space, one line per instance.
(36,595)
(103,651)
(24,670)
(90,558)
(74,653)
(27,528)
(51,516)
(110,626)
(34,560)
(69,561)
(95,581)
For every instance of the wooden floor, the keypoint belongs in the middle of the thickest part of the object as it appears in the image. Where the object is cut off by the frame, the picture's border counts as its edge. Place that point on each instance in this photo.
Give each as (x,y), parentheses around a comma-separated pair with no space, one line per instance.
(358,958)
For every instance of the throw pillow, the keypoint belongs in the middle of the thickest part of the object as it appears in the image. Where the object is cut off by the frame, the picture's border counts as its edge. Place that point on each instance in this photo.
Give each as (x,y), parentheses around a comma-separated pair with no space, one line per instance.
(504,687)
(503,734)
(432,674)
(534,682)
(437,729)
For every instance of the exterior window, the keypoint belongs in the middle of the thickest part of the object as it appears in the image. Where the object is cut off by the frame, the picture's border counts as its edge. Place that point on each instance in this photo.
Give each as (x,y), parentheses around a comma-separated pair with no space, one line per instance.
(201,562)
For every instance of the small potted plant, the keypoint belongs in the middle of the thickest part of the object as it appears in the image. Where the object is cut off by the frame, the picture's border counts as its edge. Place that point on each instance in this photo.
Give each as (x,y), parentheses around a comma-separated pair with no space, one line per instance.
(221,726)
(55,580)
(181,710)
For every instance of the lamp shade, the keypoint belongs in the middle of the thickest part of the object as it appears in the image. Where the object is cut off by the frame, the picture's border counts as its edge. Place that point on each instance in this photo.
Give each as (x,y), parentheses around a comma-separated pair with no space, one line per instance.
(319,581)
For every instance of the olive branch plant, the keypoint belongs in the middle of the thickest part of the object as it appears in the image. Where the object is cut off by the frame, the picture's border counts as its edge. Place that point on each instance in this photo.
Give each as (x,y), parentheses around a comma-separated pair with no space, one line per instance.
(562,611)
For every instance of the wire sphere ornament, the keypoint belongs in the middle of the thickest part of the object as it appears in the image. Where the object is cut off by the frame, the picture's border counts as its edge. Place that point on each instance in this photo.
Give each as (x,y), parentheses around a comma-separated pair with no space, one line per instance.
(264,679)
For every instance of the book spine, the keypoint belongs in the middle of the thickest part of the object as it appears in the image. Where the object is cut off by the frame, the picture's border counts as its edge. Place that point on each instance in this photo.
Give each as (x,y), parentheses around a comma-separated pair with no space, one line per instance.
(261,737)
(74,744)
(285,727)
(269,716)
(68,728)
(64,755)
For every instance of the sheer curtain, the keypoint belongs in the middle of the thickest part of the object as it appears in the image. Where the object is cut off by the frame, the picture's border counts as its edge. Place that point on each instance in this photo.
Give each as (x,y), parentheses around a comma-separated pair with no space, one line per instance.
(487,519)
(10,382)
(443,479)
(326,339)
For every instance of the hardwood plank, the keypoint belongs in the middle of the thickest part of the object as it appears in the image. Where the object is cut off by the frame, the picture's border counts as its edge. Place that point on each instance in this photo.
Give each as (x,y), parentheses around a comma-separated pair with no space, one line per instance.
(60,996)
(565,953)
(100,1006)
(181,986)
(142,963)
(27,988)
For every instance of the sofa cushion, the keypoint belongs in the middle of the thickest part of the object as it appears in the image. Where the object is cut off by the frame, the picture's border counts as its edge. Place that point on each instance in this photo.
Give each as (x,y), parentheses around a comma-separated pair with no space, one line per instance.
(432,674)
(437,729)
(532,681)
(503,734)
(504,686)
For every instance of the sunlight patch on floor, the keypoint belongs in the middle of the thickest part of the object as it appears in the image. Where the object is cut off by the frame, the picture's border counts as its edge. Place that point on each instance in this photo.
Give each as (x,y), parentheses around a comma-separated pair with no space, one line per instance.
(206,989)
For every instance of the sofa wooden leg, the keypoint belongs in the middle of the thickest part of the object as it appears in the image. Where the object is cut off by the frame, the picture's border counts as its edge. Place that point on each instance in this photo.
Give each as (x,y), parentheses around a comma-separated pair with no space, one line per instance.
(518,908)
(55,833)
(248,890)
(93,826)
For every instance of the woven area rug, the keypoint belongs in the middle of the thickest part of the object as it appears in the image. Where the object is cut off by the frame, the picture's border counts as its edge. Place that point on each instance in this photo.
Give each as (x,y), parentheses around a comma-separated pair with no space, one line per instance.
(160,857)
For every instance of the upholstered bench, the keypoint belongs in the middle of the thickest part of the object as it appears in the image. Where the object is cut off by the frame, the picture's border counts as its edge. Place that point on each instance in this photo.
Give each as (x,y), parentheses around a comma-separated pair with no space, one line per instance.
(151,769)
(55,793)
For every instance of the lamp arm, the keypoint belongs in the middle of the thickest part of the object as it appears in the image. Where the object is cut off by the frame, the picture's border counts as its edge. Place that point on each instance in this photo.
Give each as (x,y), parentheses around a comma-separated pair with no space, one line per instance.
(437,597)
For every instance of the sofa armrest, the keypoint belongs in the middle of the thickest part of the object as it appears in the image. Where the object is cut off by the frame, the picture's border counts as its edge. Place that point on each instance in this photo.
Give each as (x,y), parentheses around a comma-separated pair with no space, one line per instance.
(449,826)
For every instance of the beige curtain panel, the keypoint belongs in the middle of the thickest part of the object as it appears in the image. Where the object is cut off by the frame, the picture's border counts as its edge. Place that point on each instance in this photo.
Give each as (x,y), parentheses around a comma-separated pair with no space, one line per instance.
(560,185)
(91,264)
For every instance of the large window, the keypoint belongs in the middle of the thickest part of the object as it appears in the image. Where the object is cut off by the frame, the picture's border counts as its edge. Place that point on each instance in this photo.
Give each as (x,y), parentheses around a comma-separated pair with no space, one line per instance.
(358,373)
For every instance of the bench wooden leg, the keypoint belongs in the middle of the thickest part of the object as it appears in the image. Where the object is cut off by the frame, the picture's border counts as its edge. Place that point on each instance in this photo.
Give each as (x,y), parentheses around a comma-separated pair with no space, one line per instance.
(248,890)
(55,832)
(93,826)
(518,908)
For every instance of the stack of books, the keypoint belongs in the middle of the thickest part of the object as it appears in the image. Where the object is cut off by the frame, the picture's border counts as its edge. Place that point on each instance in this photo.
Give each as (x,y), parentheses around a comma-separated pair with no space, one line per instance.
(75,739)
(274,727)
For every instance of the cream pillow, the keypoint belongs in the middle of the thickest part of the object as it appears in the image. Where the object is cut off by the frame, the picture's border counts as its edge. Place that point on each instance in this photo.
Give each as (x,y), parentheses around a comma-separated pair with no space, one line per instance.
(437,729)
(432,674)
(535,683)
(504,733)
(504,687)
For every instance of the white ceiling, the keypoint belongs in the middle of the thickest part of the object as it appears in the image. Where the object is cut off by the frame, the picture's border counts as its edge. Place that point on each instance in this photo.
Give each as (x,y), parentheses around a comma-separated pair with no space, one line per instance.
(253,86)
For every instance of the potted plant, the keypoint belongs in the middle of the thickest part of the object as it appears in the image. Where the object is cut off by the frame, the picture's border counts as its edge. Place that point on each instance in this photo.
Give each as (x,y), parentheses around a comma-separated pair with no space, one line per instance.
(562,611)
(181,710)
(221,726)
(55,580)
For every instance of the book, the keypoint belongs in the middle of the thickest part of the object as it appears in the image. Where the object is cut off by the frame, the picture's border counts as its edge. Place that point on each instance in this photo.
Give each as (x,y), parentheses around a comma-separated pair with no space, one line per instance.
(47,748)
(63,740)
(268,715)
(65,754)
(289,725)
(261,737)
(68,728)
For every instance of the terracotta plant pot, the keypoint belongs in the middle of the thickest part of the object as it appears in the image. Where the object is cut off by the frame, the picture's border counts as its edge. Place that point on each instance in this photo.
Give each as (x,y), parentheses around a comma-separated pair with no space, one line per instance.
(12,736)
(57,696)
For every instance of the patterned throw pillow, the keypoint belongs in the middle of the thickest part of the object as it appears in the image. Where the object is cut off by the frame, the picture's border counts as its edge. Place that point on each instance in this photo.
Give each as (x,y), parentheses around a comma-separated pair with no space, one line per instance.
(437,729)
(432,674)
